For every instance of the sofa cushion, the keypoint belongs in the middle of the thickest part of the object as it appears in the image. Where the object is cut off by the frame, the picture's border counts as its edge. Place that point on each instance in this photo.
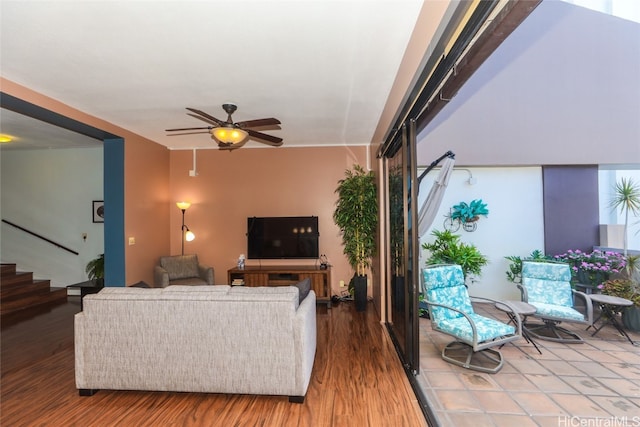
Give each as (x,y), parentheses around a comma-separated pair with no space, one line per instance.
(304,286)
(180,266)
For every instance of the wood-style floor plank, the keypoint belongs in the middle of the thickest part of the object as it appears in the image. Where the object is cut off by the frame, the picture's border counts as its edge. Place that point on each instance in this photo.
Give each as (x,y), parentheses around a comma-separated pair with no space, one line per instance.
(357,380)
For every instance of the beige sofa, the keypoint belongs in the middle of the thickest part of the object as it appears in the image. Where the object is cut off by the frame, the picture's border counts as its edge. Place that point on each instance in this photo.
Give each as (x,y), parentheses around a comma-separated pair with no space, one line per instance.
(210,339)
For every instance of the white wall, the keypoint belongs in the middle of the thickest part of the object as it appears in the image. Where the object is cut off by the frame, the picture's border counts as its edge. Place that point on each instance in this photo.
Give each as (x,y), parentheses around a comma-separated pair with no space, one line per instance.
(50,192)
(607,179)
(514,225)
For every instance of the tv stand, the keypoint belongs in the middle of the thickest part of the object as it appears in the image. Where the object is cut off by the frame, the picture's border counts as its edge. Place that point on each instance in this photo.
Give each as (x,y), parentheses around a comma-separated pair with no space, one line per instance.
(280,275)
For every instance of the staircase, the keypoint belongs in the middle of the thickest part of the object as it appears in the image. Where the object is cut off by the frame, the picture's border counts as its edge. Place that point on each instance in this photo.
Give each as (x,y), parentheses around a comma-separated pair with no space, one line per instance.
(18,291)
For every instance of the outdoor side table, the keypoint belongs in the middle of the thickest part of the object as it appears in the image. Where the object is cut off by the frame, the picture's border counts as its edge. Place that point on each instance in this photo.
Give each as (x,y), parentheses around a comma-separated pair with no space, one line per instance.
(609,305)
(521,309)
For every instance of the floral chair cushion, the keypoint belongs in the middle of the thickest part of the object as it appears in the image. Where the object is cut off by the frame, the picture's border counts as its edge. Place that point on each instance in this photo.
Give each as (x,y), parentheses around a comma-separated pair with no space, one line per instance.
(486,328)
(557,311)
(547,283)
(445,285)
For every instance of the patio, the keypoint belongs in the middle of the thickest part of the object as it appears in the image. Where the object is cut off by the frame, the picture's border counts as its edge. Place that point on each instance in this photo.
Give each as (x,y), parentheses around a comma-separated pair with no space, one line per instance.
(596,383)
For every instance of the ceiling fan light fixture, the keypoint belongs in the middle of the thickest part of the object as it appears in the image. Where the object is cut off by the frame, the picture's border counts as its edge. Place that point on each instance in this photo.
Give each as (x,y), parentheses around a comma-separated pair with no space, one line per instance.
(229,135)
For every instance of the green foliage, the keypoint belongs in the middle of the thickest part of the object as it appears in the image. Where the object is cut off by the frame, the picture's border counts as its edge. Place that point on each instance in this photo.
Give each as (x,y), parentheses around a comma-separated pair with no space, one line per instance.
(356,214)
(514,274)
(447,249)
(627,198)
(622,288)
(95,268)
(469,212)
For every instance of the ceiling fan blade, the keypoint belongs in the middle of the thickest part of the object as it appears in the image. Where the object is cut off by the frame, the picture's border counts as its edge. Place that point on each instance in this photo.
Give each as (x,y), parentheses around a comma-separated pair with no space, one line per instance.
(211,122)
(267,139)
(179,129)
(258,123)
(199,132)
(205,115)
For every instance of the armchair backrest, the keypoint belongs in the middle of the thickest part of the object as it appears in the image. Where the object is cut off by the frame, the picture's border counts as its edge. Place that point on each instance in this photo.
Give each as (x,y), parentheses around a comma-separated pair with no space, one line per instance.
(180,266)
(547,282)
(444,285)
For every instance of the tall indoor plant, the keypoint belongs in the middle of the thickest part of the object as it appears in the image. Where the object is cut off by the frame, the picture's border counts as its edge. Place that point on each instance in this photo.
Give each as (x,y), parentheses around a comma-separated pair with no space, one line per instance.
(356,214)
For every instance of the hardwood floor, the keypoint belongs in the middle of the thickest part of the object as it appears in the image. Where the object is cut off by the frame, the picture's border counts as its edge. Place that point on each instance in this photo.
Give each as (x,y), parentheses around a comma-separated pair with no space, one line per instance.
(357,380)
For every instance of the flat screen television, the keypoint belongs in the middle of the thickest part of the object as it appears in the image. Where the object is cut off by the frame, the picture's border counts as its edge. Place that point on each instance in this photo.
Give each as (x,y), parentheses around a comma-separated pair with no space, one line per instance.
(291,237)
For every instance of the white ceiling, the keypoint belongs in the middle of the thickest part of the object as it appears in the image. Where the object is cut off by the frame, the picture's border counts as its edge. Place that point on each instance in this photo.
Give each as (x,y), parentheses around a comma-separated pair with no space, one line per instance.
(324,68)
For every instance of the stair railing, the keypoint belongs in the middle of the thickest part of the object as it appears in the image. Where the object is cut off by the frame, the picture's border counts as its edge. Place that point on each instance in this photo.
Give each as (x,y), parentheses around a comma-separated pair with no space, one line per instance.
(40,237)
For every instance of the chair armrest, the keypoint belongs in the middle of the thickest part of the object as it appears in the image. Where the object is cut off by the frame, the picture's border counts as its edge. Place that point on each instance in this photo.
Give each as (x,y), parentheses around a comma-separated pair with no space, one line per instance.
(206,273)
(588,304)
(473,326)
(508,304)
(160,277)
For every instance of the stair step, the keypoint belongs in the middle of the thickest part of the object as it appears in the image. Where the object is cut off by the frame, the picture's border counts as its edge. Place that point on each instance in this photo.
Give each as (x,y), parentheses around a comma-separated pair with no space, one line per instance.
(7,269)
(36,287)
(16,280)
(18,291)
(54,295)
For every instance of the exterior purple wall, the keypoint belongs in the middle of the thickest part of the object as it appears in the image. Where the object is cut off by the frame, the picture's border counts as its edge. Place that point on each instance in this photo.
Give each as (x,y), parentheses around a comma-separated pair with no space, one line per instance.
(571,215)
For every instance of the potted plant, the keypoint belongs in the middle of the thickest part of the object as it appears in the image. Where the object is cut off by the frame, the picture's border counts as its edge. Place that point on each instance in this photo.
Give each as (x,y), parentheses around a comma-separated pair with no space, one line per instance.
(514,274)
(448,249)
(469,212)
(627,198)
(627,287)
(356,214)
(95,270)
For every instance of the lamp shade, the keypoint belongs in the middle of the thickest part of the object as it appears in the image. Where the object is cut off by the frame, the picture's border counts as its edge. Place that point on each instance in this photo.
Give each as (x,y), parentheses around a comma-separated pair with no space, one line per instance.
(183,205)
(229,135)
(189,236)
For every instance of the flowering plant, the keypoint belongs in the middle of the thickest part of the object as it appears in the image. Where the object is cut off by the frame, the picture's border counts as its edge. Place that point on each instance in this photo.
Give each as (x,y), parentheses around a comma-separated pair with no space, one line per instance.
(593,268)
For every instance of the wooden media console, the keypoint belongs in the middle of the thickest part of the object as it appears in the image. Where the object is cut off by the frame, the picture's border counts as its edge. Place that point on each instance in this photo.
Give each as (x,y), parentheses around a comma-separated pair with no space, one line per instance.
(285,276)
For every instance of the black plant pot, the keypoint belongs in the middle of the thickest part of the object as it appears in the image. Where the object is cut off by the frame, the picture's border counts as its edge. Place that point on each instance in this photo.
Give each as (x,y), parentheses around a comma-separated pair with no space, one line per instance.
(631,318)
(360,292)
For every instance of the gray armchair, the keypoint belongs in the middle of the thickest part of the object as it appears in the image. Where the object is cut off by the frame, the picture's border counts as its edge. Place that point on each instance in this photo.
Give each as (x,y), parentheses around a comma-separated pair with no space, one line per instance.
(181,270)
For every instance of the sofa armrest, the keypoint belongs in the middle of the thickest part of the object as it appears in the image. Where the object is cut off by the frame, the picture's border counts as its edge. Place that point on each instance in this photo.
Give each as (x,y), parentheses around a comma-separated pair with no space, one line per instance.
(305,339)
(206,273)
(160,277)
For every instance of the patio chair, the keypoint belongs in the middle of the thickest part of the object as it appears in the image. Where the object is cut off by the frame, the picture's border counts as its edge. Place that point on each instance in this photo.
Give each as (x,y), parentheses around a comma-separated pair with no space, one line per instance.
(452,313)
(547,286)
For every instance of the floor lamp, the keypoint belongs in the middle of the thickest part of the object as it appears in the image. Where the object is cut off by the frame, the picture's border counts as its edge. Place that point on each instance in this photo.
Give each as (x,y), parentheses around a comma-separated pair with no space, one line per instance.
(186,233)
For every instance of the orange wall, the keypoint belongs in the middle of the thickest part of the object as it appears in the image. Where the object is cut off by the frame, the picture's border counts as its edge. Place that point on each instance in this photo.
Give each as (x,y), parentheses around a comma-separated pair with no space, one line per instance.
(146,208)
(232,186)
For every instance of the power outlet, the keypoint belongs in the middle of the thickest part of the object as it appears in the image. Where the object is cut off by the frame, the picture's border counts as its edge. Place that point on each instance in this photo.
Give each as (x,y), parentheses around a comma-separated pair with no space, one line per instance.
(132,241)
(342,285)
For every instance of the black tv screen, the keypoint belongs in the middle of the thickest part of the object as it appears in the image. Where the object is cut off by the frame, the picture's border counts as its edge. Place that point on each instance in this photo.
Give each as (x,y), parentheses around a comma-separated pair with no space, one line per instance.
(294,237)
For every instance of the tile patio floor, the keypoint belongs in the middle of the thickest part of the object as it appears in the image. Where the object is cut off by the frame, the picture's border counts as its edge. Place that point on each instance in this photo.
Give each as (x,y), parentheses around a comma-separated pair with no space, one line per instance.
(596,383)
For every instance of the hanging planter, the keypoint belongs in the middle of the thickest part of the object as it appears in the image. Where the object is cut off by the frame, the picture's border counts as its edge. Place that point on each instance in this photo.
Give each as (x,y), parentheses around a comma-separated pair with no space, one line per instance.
(469,214)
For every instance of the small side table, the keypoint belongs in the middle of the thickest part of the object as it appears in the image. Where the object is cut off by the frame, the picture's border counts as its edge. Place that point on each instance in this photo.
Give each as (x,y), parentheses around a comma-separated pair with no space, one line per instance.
(88,287)
(521,309)
(609,305)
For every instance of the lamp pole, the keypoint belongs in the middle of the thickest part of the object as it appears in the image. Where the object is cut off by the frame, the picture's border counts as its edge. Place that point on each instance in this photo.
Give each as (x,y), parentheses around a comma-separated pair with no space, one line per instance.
(182,231)
(183,206)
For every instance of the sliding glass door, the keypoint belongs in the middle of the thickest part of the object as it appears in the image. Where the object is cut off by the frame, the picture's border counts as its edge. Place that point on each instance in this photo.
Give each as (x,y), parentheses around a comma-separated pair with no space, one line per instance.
(402,241)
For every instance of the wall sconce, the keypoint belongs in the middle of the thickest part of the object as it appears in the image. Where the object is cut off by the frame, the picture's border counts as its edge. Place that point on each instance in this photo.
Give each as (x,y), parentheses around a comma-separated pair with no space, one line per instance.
(186,233)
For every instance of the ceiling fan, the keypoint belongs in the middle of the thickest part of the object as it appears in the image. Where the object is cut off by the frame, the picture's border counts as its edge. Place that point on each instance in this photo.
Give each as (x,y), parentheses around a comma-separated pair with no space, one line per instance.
(230,135)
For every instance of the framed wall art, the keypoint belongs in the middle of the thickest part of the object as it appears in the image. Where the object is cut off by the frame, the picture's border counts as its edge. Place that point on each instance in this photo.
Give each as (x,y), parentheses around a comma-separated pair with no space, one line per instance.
(98,211)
